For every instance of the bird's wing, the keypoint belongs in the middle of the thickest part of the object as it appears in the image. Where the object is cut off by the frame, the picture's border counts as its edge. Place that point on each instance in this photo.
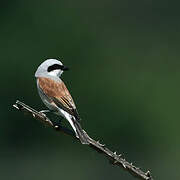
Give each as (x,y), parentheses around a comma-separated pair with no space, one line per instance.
(59,95)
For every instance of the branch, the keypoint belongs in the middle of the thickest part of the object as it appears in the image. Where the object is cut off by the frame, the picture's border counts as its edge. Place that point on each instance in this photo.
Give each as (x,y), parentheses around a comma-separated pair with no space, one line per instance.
(113,157)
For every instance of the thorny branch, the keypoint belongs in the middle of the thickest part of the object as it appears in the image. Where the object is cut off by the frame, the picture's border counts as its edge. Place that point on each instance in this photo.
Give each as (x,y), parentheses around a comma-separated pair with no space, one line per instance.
(113,157)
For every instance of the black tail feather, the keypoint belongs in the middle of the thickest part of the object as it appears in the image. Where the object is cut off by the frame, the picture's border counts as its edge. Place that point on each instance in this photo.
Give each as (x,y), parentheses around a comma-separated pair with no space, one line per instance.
(80,132)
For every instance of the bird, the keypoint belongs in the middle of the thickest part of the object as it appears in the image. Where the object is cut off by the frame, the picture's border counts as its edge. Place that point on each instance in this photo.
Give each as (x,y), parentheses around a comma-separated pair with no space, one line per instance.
(55,95)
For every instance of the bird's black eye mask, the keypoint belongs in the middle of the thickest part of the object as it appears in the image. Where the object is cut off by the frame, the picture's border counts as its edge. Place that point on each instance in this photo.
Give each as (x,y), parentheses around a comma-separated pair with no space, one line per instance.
(57,66)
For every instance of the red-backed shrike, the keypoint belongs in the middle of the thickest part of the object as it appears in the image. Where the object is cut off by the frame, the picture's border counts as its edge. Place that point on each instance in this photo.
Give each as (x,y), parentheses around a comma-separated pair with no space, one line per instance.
(56,96)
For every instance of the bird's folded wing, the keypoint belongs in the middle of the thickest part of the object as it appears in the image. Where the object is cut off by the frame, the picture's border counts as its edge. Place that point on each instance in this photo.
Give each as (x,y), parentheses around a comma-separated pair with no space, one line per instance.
(59,95)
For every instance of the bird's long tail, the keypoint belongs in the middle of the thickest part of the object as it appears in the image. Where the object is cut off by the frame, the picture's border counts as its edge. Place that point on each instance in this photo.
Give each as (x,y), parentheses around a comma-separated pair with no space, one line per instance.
(79,131)
(74,122)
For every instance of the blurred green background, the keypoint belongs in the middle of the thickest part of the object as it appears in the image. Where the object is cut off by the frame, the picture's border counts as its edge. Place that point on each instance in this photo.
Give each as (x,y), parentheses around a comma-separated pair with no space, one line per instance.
(124,77)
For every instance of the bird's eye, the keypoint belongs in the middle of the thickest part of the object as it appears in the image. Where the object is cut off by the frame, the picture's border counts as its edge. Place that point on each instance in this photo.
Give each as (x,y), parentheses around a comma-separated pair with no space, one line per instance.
(54,67)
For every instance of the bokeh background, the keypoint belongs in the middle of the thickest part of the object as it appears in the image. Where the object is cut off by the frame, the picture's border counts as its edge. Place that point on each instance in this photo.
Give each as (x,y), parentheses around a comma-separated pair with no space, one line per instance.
(125,79)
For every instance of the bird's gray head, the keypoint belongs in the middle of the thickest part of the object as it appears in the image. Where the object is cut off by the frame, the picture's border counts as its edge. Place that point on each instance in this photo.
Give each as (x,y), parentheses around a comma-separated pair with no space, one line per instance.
(50,67)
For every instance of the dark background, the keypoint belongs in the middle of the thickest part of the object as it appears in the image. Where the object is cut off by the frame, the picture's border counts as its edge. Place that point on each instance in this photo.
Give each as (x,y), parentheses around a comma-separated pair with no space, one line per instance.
(124,77)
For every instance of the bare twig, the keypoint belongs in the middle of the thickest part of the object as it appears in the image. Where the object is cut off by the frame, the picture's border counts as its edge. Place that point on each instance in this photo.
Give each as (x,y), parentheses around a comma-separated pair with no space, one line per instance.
(114,158)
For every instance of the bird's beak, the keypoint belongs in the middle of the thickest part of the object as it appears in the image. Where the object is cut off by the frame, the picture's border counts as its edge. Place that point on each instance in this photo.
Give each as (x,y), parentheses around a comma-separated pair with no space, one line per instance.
(64,68)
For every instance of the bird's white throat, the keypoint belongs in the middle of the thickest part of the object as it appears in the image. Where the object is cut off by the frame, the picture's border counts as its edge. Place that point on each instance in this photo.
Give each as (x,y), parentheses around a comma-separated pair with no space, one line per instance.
(56,72)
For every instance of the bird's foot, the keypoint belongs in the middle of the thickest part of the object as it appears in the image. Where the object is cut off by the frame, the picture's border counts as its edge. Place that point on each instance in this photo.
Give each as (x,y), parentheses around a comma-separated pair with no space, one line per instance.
(44,111)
